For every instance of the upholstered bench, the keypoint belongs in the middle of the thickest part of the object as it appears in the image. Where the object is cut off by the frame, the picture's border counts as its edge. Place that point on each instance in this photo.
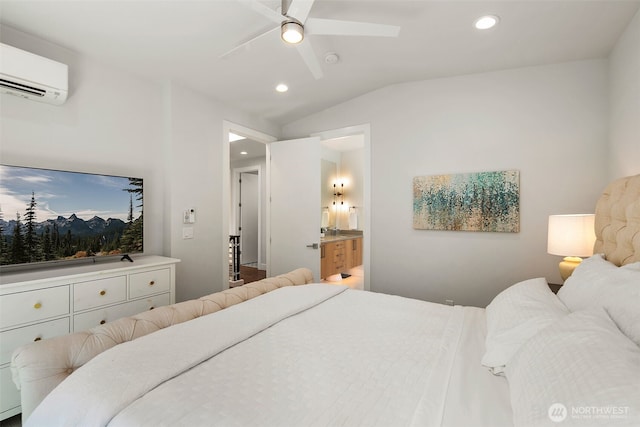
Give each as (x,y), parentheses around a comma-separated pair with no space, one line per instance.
(40,366)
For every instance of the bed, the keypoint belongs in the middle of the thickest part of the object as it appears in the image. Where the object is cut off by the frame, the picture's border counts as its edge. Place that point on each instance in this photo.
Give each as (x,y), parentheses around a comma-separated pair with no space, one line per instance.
(318,355)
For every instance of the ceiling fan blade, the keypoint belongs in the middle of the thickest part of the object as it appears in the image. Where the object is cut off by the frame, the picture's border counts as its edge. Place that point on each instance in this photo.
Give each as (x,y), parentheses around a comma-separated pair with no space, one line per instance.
(263,10)
(349,28)
(299,9)
(309,57)
(243,44)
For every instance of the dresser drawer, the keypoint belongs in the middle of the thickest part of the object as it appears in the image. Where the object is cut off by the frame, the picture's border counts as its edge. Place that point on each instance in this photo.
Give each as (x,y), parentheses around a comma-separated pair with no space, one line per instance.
(14,338)
(8,391)
(96,293)
(91,319)
(31,306)
(149,283)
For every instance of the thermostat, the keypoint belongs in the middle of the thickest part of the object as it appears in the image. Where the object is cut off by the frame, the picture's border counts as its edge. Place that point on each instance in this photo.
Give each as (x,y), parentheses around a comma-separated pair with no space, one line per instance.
(189,216)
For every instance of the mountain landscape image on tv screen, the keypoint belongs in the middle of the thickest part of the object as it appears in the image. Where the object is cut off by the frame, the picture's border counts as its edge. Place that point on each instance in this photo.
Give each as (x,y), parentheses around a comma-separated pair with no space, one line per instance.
(50,215)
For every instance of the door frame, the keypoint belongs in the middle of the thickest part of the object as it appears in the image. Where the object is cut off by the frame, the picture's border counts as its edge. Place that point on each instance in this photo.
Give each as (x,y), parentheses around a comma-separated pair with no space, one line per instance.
(365,131)
(235,200)
(228,126)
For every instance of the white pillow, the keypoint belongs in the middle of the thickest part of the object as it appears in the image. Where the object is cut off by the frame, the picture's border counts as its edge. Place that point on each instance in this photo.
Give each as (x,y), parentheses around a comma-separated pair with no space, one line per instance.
(514,316)
(595,280)
(623,305)
(581,369)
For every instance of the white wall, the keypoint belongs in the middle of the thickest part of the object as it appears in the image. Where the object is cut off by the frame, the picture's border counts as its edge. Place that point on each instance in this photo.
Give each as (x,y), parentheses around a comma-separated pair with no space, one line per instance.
(624,82)
(548,122)
(352,170)
(328,172)
(117,123)
(110,124)
(199,180)
(347,167)
(330,164)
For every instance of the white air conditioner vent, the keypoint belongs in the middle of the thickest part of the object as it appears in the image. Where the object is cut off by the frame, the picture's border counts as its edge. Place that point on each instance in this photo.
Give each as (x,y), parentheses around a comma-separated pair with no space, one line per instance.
(30,76)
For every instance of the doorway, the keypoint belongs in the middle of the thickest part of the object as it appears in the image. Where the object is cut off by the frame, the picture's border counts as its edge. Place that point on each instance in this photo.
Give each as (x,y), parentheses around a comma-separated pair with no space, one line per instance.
(229,221)
(247,208)
(353,144)
(342,189)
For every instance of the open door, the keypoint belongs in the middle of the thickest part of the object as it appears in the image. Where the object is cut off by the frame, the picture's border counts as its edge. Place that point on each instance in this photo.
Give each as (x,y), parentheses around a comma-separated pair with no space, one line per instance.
(294,208)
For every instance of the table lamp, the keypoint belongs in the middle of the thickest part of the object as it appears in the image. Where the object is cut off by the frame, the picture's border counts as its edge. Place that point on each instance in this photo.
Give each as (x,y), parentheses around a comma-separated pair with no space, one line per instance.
(571,236)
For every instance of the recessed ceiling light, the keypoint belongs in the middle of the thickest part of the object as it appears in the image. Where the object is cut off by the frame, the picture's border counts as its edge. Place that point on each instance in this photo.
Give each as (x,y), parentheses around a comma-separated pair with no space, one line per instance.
(486,22)
(235,137)
(282,88)
(244,153)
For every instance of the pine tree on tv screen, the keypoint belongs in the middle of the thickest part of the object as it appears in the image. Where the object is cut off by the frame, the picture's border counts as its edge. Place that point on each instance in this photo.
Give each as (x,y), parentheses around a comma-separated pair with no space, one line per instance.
(48,215)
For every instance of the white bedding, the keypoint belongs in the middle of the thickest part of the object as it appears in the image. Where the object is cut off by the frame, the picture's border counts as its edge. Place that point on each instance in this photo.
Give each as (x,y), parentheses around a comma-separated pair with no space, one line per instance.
(310,355)
(475,397)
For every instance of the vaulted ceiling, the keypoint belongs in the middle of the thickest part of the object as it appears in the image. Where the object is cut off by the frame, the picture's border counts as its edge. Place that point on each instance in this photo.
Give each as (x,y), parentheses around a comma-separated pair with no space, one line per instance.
(183,40)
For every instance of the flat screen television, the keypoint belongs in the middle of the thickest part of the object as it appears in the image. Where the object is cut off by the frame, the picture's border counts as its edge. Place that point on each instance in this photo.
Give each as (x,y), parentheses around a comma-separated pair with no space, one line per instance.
(54,217)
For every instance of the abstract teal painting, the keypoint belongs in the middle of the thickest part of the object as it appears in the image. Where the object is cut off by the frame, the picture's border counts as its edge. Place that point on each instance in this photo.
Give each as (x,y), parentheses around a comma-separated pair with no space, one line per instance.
(484,201)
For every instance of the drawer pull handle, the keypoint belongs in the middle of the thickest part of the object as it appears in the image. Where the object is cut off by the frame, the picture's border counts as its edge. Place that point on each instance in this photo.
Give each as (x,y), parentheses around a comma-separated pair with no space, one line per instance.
(37,305)
(102,322)
(103,292)
(37,339)
(151,283)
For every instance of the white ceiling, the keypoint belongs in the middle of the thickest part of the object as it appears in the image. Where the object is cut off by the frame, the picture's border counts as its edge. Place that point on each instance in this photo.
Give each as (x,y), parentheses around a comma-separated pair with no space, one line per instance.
(345,143)
(182,41)
(255,149)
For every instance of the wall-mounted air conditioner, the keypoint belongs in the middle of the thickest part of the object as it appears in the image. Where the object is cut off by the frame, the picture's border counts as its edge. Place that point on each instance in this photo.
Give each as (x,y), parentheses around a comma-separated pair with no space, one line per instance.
(30,76)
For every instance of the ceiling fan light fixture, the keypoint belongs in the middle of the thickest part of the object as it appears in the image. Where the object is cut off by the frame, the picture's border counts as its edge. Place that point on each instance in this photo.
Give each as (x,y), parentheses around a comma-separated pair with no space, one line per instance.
(292,32)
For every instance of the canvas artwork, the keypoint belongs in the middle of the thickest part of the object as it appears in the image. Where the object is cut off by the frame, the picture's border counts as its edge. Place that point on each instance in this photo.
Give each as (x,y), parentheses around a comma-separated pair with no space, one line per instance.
(484,201)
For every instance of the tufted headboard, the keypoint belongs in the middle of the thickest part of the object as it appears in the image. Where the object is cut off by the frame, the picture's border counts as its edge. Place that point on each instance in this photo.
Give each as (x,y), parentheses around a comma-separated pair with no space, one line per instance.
(617,221)
(40,366)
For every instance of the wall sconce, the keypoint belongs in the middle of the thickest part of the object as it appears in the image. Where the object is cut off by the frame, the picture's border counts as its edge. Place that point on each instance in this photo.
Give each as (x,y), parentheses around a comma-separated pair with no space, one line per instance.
(571,236)
(338,194)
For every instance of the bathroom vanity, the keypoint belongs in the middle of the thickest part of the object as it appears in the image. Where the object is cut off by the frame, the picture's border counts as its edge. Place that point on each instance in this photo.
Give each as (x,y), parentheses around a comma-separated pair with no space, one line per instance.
(339,253)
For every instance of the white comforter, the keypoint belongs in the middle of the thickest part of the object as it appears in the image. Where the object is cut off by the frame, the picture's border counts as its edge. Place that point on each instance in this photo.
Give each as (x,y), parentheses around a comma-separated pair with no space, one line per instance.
(311,355)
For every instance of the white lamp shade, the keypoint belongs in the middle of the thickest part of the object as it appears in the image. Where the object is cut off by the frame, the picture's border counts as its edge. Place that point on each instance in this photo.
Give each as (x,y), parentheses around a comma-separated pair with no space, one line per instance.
(571,235)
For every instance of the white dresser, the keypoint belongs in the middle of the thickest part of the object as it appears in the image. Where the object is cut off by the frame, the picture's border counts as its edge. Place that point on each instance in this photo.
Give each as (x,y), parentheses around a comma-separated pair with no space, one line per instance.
(50,302)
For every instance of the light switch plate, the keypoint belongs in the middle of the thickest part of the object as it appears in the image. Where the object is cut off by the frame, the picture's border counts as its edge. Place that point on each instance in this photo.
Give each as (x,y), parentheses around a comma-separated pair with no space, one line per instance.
(187,232)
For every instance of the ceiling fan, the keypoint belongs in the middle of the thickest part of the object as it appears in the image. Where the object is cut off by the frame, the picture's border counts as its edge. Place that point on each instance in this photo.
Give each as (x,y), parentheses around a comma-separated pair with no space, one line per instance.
(294,24)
